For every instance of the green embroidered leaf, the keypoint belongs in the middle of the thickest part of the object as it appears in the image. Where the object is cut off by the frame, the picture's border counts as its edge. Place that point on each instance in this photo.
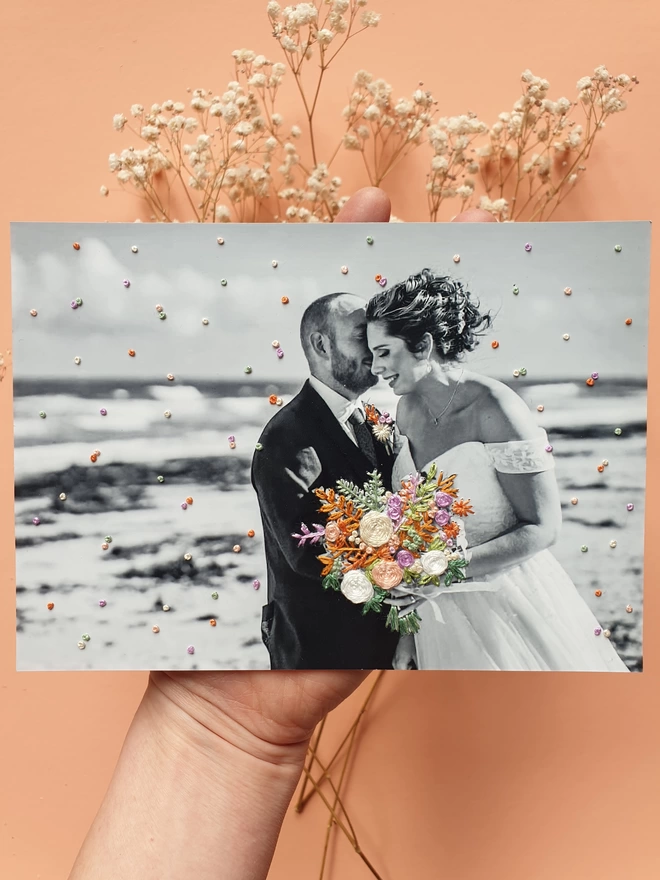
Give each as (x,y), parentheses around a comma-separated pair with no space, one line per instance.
(393,619)
(331,582)
(374,492)
(352,492)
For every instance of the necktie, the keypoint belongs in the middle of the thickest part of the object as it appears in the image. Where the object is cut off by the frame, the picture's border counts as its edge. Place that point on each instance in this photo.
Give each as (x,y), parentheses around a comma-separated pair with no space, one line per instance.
(363,435)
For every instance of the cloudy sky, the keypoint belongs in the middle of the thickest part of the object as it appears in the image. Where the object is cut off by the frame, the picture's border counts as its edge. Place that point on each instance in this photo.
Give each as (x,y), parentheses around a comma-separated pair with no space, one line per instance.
(181,267)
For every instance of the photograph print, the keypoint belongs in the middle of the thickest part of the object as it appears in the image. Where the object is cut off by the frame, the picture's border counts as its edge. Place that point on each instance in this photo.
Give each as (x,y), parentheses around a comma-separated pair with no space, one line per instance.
(356,446)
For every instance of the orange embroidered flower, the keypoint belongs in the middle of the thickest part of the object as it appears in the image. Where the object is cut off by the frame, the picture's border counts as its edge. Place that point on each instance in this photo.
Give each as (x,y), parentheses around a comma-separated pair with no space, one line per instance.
(371,413)
(272,399)
(451,530)
(462,508)
(387,575)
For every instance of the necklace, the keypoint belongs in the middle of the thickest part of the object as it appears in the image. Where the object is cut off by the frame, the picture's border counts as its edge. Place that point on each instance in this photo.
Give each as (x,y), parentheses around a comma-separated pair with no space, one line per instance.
(436,419)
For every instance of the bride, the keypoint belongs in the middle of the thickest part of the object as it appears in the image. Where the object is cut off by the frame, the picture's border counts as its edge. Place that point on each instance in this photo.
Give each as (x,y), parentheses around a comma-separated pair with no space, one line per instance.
(519,610)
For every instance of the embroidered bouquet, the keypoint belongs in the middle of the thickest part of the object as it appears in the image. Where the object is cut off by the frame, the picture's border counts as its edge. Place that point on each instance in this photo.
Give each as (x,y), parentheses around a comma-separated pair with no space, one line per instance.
(379,544)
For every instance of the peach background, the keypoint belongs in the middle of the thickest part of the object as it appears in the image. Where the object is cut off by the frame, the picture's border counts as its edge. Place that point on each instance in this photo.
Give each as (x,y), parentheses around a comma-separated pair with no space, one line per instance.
(514,777)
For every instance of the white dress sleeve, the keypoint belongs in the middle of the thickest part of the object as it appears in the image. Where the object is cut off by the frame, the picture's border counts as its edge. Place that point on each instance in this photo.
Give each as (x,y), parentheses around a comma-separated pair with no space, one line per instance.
(522,456)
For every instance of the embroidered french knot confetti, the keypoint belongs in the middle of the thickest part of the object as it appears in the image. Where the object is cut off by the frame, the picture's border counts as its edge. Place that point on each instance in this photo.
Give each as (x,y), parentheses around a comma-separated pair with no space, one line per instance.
(34,313)
(285,300)
(76,246)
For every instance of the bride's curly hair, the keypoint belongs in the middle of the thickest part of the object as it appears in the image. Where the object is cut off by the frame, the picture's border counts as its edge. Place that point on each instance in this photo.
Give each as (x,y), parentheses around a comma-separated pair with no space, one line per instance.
(435,304)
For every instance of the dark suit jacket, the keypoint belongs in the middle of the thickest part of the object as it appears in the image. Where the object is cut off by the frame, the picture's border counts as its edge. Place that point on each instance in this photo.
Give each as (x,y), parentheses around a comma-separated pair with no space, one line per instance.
(303,625)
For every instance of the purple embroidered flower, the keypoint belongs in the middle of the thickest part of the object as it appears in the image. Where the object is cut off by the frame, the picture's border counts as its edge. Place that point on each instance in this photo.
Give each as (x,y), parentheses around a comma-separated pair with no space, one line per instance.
(405,558)
(386,419)
(442,517)
(394,507)
(442,499)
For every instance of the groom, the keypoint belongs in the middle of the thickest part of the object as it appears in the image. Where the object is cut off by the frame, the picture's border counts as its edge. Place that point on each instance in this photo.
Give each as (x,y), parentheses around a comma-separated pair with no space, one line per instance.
(317,439)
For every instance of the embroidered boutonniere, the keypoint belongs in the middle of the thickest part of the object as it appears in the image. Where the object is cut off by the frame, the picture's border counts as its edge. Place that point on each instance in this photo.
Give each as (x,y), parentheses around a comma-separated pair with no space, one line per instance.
(382,425)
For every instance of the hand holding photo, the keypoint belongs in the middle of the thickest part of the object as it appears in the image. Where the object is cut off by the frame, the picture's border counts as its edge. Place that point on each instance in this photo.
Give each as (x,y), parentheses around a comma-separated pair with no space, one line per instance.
(412,445)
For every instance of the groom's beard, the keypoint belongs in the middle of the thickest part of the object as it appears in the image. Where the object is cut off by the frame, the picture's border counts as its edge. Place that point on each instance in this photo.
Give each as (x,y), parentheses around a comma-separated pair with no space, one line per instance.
(352,373)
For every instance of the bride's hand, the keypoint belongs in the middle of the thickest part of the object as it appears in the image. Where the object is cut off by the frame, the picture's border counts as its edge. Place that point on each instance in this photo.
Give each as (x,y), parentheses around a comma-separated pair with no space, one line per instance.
(405,656)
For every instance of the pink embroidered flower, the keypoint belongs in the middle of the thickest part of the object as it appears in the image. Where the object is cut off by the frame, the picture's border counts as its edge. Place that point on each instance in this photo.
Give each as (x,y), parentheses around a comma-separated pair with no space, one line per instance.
(442,517)
(332,532)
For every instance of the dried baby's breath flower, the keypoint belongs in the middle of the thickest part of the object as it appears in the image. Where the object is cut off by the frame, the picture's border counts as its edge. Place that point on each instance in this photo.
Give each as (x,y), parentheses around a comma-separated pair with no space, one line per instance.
(230,147)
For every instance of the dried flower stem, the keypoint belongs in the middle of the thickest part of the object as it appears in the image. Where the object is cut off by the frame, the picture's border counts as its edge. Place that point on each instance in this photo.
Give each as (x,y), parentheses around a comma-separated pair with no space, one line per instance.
(343,828)
(303,800)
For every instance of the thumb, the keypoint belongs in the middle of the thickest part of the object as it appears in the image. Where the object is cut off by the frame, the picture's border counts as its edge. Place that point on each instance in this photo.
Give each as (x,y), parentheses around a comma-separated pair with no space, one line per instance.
(368,205)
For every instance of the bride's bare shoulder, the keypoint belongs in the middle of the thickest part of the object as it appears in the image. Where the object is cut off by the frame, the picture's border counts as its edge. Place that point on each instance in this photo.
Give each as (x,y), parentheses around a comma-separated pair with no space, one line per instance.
(502,414)
(406,412)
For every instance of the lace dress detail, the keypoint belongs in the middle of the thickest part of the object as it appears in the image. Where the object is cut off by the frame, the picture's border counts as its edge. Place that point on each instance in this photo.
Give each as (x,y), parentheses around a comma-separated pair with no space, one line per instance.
(521,456)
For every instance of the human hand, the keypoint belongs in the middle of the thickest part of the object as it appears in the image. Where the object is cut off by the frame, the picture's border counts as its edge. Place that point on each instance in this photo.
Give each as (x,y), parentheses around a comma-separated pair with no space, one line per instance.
(212,759)
(308,468)
(405,656)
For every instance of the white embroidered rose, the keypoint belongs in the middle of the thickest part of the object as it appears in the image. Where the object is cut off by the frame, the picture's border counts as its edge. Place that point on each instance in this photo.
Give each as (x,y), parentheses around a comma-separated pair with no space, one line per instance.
(434,562)
(376,529)
(356,586)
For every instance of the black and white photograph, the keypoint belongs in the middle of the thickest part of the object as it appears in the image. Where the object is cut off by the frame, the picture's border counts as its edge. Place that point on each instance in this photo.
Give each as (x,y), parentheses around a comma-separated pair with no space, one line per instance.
(349,446)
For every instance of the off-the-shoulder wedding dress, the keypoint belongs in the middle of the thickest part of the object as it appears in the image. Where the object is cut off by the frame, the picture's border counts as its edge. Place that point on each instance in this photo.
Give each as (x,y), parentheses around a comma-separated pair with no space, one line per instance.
(527,617)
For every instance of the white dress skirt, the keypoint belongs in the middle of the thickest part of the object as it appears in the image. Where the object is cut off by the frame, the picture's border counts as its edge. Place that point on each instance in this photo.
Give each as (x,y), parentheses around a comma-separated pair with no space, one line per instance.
(528,617)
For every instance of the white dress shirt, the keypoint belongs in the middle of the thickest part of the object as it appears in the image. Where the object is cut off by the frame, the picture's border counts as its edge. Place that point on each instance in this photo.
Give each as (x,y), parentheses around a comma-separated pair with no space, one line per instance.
(341,408)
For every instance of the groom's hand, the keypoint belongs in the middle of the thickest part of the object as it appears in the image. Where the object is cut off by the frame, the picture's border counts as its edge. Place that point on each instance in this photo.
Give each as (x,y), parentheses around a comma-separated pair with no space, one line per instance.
(308,468)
